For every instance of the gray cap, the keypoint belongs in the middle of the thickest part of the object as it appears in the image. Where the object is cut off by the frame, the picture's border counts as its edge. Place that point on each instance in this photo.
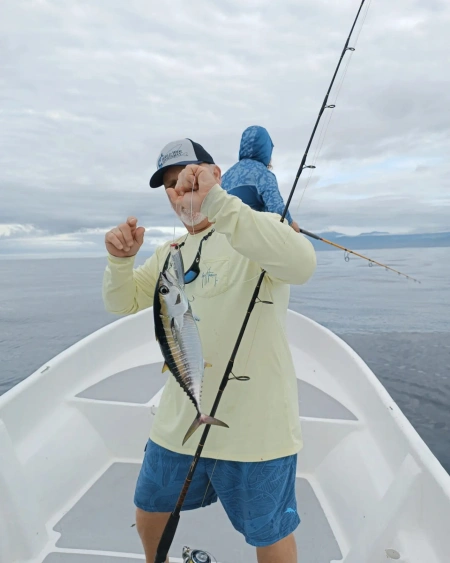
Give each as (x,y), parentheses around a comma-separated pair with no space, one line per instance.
(178,153)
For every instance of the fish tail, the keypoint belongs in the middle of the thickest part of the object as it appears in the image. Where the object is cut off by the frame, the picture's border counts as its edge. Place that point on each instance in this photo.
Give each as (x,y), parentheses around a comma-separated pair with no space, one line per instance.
(202,419)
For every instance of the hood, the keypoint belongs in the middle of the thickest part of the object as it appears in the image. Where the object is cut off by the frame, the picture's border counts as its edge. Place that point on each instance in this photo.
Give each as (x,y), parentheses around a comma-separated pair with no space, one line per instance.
(256,144)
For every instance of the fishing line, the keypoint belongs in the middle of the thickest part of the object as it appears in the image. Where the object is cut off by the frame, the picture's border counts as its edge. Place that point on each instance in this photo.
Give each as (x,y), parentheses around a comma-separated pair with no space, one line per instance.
(323,130)
(325,125)
(175,222)
(348,251)
(252,278)
(178,208)
(194,296)
(192,200)
(251,346)
(363,21)
(174,230)
(209,482)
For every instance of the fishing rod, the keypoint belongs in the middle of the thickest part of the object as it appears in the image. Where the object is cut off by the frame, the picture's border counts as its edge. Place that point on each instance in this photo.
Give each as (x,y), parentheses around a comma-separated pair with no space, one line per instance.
(174,518)
(303,163)
(322,109)
(348,251)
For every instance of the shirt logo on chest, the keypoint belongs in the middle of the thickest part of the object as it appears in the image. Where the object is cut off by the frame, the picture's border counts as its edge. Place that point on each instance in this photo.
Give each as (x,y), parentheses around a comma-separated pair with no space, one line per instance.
(209,277)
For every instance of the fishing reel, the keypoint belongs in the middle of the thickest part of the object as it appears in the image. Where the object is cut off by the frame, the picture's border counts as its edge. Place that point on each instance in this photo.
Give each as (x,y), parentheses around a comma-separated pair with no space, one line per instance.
(196,556)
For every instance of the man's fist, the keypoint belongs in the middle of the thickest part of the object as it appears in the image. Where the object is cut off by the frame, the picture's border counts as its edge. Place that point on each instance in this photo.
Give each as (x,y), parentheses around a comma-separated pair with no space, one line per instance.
(126,239)
(193,185)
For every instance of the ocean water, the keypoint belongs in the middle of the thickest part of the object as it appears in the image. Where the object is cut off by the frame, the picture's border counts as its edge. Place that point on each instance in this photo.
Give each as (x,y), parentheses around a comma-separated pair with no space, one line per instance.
(400,328)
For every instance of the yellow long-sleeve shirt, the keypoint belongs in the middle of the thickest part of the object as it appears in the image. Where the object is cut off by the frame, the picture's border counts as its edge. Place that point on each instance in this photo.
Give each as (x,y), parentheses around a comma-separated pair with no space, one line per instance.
(262,413)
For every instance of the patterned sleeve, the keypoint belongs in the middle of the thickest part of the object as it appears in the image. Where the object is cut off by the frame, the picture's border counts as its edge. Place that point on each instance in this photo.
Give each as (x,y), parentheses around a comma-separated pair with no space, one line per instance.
(268,188)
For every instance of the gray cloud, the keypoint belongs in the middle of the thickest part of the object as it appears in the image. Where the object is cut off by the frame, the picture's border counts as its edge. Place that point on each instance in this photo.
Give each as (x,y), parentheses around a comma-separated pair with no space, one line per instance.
(90,92)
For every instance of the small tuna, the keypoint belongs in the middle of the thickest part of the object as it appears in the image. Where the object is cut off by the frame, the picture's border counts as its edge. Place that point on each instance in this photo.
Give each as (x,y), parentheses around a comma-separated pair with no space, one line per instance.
(179,340)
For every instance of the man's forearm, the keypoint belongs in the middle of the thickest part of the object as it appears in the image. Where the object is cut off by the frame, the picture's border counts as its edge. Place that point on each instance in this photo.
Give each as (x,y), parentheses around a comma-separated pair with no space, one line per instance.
(261,237)
(126,290)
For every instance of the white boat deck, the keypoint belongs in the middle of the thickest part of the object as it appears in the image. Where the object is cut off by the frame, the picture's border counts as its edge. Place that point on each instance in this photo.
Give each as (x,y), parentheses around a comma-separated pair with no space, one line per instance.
(72,438)
(101,520)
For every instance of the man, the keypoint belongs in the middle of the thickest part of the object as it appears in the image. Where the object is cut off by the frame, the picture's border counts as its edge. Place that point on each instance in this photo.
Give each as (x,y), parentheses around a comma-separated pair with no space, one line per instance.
(251,465)
(251,178)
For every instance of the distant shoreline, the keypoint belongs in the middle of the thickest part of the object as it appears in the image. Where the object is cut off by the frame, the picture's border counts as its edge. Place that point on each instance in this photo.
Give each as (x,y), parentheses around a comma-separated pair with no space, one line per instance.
(319,247)
(368,242)
(382,241)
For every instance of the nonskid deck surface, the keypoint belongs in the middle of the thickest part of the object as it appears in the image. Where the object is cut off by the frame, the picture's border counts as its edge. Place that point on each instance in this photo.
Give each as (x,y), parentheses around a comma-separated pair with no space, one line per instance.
(102,521)
(99,527)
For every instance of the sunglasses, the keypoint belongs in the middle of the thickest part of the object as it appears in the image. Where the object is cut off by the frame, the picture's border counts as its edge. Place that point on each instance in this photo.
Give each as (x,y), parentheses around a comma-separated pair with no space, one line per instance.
(194,271)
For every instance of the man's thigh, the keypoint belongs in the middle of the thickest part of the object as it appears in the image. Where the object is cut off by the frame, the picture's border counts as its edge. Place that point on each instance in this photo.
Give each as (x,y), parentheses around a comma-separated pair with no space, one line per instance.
(161,479)
(258,497)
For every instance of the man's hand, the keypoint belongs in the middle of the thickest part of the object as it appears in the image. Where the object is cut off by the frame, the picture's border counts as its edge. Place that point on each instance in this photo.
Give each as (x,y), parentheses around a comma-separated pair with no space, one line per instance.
(193,185)
(295,227)
(126,239)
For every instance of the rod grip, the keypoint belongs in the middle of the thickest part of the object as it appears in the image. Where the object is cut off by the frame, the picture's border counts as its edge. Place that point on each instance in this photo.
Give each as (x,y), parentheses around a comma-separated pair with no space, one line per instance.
(167,538)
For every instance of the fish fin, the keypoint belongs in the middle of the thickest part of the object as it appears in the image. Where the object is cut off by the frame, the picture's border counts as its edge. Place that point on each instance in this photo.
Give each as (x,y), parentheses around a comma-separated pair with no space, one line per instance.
(207,365)
(192,428)
(198,421)
(178,322)
(165,367)
(211,420)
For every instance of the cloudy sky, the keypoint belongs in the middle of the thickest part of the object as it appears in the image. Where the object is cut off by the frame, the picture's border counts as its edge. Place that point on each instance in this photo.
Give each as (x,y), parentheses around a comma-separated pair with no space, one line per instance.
(91,91)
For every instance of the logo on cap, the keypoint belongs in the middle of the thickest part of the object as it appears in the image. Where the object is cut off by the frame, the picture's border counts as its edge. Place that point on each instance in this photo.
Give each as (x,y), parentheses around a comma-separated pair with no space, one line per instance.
(176,152)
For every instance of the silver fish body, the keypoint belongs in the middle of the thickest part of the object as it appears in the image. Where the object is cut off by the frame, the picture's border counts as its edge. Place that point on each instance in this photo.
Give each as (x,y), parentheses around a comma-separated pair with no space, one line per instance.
(178,266)
(179,340)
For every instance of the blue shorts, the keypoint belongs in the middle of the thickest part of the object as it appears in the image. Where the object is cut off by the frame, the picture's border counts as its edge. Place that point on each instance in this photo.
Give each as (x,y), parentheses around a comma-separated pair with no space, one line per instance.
(258,497)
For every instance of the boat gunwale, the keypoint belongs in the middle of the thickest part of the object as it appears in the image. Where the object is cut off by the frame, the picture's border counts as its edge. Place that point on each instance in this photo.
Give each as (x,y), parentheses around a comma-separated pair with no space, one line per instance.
(420,450)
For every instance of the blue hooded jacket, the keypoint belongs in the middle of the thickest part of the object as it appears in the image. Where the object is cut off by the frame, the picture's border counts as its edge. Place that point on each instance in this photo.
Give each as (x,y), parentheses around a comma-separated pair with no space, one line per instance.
(250,179)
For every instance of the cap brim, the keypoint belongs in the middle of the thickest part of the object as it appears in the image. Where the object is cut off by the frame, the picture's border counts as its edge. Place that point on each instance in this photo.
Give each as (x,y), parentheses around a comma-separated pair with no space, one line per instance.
(156,180)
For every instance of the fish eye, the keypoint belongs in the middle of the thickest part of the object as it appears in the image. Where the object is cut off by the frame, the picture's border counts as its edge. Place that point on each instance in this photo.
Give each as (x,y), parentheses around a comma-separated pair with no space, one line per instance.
(164,290)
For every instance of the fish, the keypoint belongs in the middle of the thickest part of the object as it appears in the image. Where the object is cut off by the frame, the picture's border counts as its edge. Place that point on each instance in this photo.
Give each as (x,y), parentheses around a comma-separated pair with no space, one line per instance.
(178,266)
(179,340)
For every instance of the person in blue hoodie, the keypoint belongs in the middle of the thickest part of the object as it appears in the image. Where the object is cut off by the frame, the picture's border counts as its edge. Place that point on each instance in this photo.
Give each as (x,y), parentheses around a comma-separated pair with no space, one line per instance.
(251,180)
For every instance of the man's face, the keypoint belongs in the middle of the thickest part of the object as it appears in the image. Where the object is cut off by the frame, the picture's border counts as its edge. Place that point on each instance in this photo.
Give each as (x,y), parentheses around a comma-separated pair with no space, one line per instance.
(170,179)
